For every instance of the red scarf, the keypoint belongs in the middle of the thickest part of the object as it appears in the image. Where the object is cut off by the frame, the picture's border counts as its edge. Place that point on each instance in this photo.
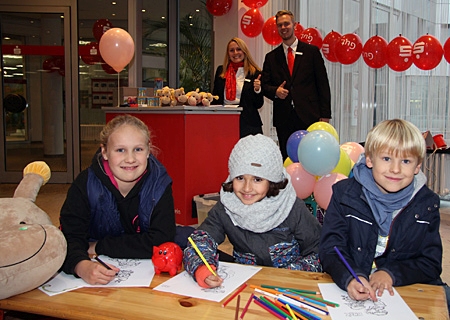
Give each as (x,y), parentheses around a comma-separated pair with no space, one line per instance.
(230,80)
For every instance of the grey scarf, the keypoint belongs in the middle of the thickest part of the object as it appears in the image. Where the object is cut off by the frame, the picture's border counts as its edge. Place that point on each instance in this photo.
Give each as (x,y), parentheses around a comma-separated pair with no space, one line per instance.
(382,204)
(263,215)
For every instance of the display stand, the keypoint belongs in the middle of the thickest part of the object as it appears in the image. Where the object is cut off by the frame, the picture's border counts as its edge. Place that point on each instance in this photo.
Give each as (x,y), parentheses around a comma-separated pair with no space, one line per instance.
(194,145)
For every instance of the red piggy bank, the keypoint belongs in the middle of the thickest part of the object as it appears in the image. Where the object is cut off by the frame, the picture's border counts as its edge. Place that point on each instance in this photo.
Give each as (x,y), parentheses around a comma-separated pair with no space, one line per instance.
(167,257)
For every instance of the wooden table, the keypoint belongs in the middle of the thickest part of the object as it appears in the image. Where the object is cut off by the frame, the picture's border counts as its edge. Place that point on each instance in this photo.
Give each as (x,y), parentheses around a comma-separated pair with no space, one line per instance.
(428,302)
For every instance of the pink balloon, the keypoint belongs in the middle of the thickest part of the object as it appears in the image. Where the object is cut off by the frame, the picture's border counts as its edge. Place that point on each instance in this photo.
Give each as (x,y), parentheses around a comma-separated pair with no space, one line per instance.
(353,149)
(322,189)
(302,181)
(116,48)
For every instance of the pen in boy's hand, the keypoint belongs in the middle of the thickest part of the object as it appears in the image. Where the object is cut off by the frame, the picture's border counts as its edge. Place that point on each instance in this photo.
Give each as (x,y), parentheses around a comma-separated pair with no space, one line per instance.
(347,265)
(102,263)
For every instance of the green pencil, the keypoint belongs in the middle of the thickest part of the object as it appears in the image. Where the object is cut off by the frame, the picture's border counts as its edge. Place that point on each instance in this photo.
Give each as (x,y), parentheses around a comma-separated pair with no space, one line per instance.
(290,289)
(332,304)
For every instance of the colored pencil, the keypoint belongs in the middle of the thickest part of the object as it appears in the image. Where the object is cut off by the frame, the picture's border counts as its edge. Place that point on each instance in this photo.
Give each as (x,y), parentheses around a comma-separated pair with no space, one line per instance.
(347,265)
(298,314)
(262,305)
(236,315)
(290,289)
(302,305)
(291,312)
(328,303)
(234,295)
(201,256)
(246,306)
(274,307)
(307,314)
(301,297)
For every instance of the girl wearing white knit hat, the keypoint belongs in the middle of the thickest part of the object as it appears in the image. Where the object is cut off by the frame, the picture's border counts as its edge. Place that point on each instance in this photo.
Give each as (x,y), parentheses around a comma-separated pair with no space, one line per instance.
(261,215)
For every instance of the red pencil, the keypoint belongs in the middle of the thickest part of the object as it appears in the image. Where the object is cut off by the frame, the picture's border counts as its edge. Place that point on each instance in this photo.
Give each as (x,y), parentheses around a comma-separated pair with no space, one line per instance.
(246,307)
(234,295)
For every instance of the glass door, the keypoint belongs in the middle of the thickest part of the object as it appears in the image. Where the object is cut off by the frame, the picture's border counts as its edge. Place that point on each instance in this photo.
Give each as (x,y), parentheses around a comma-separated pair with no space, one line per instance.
(36,90)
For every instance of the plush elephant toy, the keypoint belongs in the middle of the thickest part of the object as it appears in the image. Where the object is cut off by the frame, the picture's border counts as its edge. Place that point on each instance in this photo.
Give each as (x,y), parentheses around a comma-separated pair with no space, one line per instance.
(32,249)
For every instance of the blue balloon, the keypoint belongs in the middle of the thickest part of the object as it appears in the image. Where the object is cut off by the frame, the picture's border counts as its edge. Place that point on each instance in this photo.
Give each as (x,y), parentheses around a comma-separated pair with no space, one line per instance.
(293,142)
(318,152)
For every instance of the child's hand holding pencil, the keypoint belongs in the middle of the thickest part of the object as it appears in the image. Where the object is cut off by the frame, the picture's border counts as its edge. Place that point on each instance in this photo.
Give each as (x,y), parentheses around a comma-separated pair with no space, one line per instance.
(205,275)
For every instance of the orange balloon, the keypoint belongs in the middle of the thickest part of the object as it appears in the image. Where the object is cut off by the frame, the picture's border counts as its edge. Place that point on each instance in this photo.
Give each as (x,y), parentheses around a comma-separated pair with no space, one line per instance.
(116,48)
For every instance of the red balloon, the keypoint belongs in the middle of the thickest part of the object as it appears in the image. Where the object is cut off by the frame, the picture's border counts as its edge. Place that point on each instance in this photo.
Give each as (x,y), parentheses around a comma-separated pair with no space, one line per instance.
(252,23)
(329,46)
(374,52)
(348,48)
(94,54)
(254,3)
(270,32)
(49,65)
(100,27)
(298,30)
(399,54)
(447,50)
(427,52)
(218,7)
(312,36)
(60,66)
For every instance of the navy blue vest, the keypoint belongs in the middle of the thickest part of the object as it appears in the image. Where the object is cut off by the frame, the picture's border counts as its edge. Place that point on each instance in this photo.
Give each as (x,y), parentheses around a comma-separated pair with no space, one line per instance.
(105,217)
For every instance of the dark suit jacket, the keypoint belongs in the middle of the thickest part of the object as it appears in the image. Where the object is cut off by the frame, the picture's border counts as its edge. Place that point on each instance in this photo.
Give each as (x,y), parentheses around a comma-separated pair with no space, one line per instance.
(250,100)
(308,86)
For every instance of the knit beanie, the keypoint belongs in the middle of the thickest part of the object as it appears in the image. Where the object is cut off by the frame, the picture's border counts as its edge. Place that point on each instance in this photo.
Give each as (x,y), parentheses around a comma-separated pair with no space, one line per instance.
(256,155)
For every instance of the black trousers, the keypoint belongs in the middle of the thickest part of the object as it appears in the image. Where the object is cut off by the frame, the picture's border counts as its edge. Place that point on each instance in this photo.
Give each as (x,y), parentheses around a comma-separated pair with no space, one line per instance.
(284,131)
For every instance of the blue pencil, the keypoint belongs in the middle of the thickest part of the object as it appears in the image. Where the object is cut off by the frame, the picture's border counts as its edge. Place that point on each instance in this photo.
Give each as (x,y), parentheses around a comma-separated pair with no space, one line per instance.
(347,265)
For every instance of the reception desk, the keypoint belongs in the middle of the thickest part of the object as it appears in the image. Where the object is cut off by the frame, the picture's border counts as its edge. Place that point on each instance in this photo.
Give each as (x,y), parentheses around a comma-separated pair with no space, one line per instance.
(194,145)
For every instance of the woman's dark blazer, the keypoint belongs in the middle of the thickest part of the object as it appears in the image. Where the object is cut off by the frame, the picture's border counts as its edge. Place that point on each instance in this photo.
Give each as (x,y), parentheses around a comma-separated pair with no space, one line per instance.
(250,101)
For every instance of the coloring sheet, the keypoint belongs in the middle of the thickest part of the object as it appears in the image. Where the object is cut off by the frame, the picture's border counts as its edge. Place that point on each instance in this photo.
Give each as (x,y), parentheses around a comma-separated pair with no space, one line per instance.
(233,275)
(133,273)
(387,306)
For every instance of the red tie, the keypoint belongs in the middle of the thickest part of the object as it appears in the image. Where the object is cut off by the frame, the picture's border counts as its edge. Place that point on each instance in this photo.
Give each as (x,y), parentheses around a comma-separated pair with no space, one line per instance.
(290,59)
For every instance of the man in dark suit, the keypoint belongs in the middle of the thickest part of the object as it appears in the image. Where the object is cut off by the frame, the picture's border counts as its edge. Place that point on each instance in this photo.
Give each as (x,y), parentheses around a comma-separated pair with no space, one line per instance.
(301,97)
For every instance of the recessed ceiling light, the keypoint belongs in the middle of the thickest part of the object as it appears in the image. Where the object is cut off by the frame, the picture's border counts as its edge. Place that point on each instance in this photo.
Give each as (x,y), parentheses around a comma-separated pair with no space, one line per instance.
(113,3)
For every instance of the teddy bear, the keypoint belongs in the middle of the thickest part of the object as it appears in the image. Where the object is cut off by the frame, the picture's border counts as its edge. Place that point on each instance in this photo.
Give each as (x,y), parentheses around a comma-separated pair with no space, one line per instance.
(180,96)
(194,97)
(207,98)
(166,97)
(32,249)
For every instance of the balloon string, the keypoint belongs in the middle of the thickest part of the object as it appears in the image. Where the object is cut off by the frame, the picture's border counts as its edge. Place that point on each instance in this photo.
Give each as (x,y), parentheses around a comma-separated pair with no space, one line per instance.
(118,90)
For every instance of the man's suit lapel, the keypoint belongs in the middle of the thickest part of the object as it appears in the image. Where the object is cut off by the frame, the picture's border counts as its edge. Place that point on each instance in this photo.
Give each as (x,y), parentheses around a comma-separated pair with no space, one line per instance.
(280,56)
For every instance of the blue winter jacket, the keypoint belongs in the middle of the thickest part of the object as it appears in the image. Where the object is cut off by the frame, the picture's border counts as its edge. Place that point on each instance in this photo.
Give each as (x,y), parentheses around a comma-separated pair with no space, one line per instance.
(414,250)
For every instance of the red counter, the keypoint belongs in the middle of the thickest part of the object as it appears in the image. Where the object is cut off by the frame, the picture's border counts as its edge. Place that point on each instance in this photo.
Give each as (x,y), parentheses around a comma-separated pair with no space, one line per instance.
(194,145)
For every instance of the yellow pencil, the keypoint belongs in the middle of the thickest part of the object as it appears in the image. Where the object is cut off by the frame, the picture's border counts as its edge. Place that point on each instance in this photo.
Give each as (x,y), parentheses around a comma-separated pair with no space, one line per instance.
(201,256)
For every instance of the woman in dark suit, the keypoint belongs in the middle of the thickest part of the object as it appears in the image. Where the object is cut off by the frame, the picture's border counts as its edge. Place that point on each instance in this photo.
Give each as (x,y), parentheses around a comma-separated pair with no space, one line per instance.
(237,83)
